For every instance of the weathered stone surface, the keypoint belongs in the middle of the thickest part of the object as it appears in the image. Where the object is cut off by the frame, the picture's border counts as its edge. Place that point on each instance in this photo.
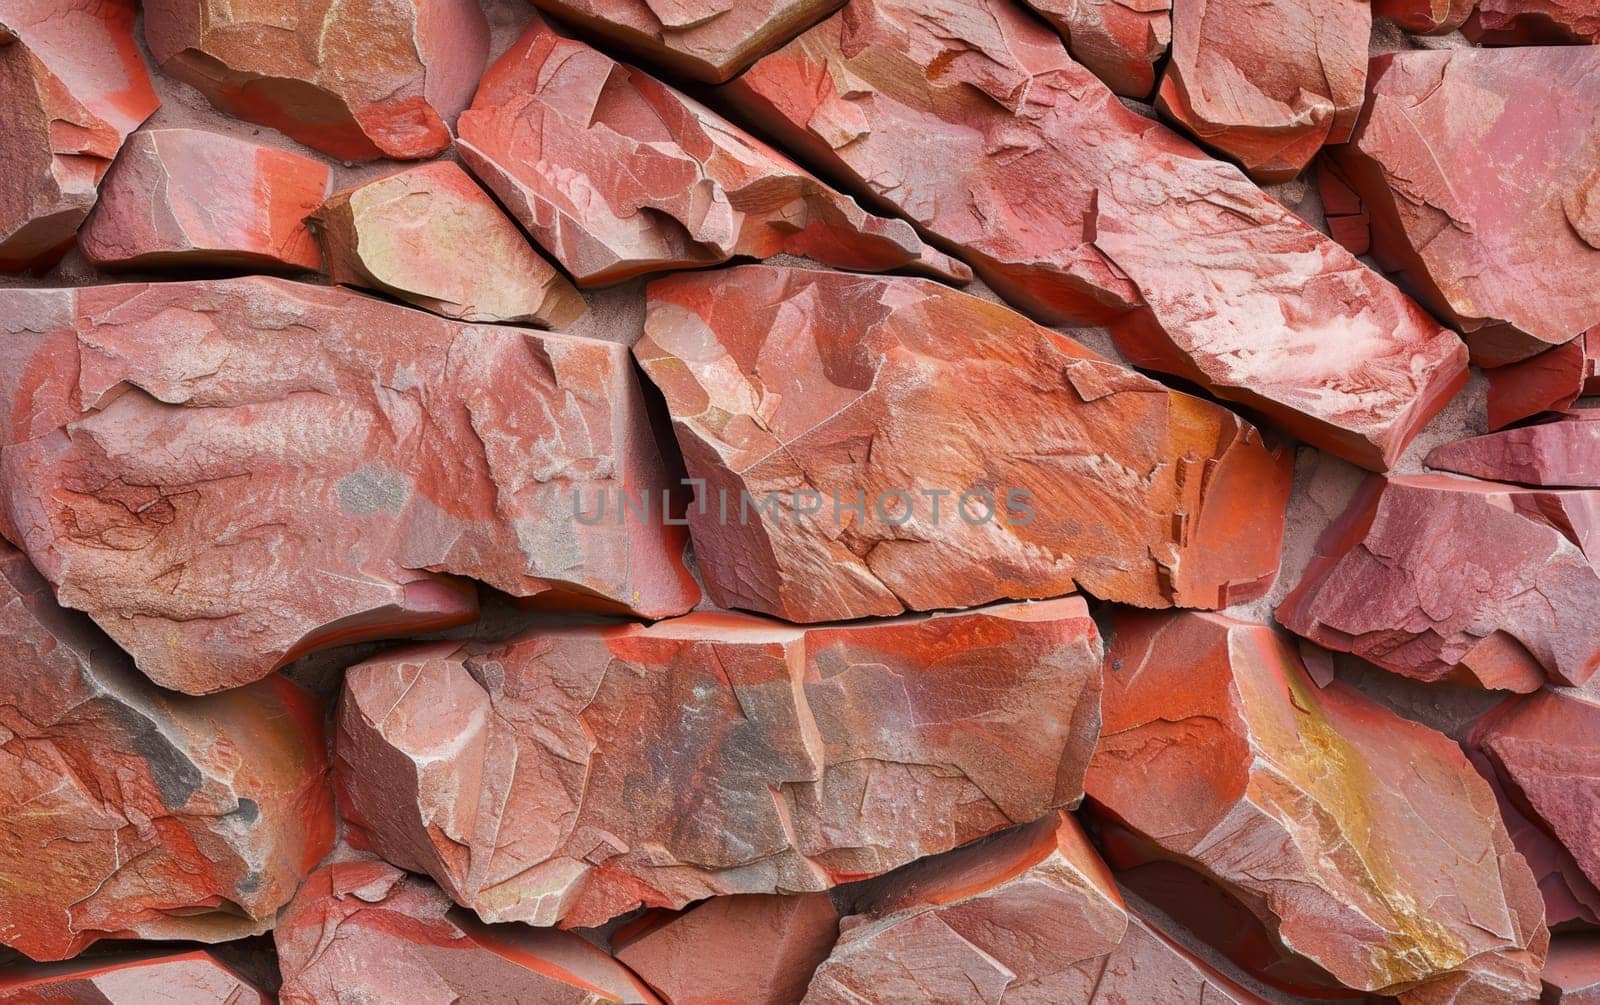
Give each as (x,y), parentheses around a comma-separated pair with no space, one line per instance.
(127,812)
(1268,85)
(199,199)
(1548,382)
(1088,473)
(1572,975)
(72,87)
(430,236)
(977,126)
(361,930)
(617,175)
(229,474)
(193,978)
(1534,22)
(1427,17)
(1317,838)
(704,40)
(1479,170)
(1561,452)
(571,775)
(752,949)
(1440,578)
(1119,41)
(356,80)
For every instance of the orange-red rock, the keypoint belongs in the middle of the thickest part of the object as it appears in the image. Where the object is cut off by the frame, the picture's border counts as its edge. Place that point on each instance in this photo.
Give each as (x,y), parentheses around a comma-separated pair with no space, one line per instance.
(1119,41)
(229,474)
(1480,169)
(1321,841)
(1268,85)
(571,775)
(750,949)
(1572,975)
(361,930)
(128,812)
(1562,452)
(1429,17)
(616,175)
(194,977)
(191,198)
(430,236)
(1056,467)
(1441,578)
(705,40)
(976,125)
(1548,382)
(357,80)
(72,87)
(1534,22)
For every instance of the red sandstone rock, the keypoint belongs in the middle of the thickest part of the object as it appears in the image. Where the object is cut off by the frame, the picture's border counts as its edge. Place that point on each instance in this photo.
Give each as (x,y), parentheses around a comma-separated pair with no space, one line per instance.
(977,126)
(362,930)
(1548,382)
(192,978)
(1268,85)
(1317,838)
(1439,578)
(1119,41)
(1347,216)
(573,774)
(750,950)
(186,197)
(617,175)
(430,236)
(1562,452)
(356,80)
(72,87)
(1074,470)
(132,813)
(1572,975)
(229,474)
(1481,171)
(1429,17)
(705,40)
(1534,22)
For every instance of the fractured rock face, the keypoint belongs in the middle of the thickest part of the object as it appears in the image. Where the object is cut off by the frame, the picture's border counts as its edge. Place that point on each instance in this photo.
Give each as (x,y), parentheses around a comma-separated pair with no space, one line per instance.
(617,175)
(705,40)
(1562,452)
(132,813)
(229,474)
(1425,17)
(1268,85)
(1298,828)
(194,978)
(1056,467)
(1534,22)
(72,87)
(1548,382)
(1481,171)
(194,198)
(1439,578)
(1119,41)
(357,80)
(572,775)
(362,930)
(977,126)
(387,235)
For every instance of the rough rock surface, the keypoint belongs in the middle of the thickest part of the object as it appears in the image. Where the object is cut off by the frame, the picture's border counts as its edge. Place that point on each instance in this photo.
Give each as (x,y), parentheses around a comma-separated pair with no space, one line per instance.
(1302,830)
(1534,22)
(1119,41)
(571,775)
(72,87)
(1572,975)
(192,198)
(1426,17)
(617,175)
(1268,85)
(1087,472)
(194,977)
(126,812)
(361,930)
(704,40)
(976,125)
(357,80)
(386,235)
(1561,452)
(1480,169)
(751,949)
(229,474)
(1440,578)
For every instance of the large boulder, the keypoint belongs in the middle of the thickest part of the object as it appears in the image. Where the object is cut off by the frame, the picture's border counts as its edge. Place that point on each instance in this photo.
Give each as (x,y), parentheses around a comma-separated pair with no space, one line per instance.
(1119,41)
